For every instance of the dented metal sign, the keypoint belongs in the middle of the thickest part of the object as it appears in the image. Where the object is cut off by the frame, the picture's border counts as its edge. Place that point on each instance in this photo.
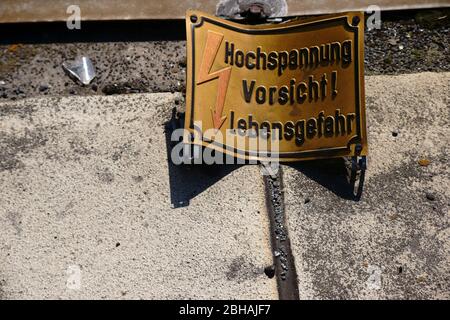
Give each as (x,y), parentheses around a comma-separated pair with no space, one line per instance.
(289,91)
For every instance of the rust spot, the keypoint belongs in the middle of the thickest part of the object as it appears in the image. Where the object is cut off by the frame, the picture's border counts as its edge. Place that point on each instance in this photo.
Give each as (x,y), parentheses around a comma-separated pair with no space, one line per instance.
(424,162)
(13,47)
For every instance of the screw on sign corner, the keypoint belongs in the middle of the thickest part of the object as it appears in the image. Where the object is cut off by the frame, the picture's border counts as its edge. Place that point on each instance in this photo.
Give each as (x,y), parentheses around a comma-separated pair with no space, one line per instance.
(355,21)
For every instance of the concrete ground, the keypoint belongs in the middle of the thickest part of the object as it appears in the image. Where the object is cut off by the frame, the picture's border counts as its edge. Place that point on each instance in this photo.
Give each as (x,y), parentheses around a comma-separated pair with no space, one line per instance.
(90,208)
(395,242)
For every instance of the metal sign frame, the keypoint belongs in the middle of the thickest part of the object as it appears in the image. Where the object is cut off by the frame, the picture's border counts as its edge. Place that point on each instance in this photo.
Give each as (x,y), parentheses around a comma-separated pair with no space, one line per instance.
(351,23)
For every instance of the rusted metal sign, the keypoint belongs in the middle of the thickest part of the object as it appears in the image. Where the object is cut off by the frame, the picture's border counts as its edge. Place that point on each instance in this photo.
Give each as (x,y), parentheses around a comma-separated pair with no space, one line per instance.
(290,91)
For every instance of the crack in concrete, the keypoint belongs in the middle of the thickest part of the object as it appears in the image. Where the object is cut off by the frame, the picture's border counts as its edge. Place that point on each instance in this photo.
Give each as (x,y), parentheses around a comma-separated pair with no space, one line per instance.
(281,248)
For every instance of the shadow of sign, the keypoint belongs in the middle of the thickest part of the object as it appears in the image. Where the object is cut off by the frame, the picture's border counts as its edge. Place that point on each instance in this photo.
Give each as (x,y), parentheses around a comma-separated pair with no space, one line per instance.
(333,174)
(187,181)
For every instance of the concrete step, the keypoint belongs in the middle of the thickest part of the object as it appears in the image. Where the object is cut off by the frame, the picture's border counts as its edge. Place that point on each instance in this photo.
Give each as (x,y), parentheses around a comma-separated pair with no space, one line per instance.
(56,10)
(86,190)
(394,243)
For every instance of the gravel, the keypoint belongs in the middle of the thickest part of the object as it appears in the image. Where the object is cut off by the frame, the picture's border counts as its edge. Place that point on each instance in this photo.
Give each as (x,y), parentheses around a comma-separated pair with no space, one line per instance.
(408,42)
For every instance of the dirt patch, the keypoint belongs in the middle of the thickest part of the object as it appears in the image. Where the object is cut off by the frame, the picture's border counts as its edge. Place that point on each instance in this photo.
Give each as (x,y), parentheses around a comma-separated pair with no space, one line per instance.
(13,146)
(240,270)
(105,175)
(2,291)
(409,42)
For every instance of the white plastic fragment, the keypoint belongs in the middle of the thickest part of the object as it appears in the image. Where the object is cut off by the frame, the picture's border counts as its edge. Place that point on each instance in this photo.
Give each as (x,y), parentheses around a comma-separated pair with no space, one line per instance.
(81,68)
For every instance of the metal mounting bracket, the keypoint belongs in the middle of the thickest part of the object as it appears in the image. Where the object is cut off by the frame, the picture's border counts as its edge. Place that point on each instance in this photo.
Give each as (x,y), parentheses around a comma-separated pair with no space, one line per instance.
(357,175)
